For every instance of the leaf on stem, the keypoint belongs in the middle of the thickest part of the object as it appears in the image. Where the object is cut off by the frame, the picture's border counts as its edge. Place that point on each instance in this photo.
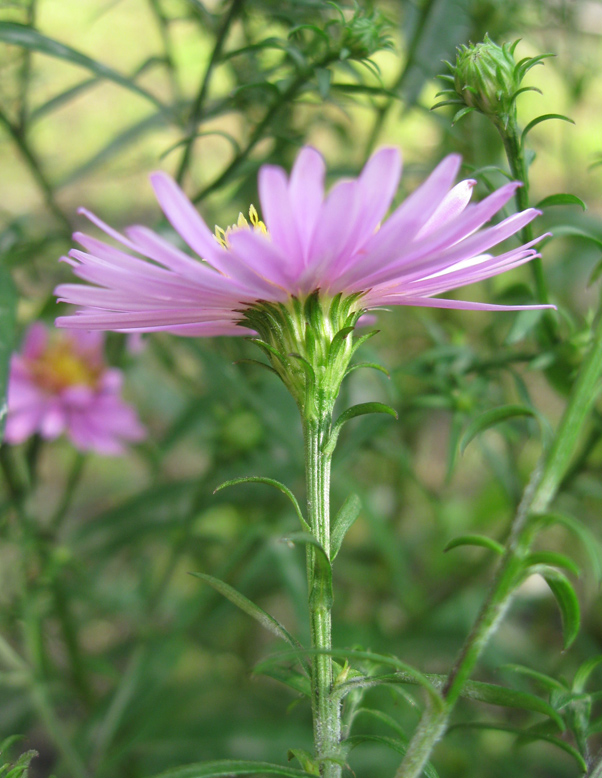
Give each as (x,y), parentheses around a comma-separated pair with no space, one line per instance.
(232,767)
(567,600)
(248,607)
(590,542)
(351,413)
(321,594)
(526,737)
(491,418)
(561,199)
(348,513)
(257,479)
(544,118)
(475,540)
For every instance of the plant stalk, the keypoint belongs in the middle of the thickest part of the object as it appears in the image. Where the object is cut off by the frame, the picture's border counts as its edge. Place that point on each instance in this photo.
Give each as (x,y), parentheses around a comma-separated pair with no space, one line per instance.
(537,499)
(326,711)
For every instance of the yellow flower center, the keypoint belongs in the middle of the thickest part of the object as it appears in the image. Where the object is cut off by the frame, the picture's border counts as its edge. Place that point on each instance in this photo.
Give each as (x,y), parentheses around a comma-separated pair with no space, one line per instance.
(60,367)
(257,225)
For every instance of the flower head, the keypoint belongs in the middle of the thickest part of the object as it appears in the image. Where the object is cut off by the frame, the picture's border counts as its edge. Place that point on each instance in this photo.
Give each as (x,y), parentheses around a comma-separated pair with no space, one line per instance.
(339,243)
(62,384)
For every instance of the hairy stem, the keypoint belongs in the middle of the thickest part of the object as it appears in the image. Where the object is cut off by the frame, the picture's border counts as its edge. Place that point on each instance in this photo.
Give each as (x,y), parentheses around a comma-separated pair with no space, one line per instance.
(325,710)
(537,499)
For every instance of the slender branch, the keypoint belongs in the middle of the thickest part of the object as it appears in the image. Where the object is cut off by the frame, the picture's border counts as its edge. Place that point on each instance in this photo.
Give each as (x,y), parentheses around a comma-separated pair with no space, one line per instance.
(198,105)
(25,70)
(36,170)
(540,492)
(163,26)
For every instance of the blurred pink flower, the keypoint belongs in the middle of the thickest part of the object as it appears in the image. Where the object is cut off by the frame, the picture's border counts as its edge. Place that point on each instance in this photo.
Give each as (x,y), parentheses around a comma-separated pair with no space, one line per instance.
(61,385)
(432,243)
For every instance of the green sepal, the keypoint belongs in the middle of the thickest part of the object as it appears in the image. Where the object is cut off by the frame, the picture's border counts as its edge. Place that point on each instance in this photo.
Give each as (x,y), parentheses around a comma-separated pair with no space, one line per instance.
(361,340)
(254,611)
(305,759)
(544,118)
(351,413)
(525,736)
(339,341)
(321,594)
(475,540)
(563,198)
(258,479)
(553,559)
(267,349)
(233,767)
(491,418)
(346,516)
(461,114)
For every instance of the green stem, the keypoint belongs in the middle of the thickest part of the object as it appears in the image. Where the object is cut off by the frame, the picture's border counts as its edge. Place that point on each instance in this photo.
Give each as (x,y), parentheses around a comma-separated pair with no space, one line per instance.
(537,499)
(197,108)
(326,711)
(73,480)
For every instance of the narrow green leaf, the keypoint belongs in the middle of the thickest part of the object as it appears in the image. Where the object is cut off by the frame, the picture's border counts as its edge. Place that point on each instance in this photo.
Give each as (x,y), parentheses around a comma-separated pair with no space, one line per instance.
(544,118)
(248,607)
(461,114)
(29,38)
(475,540)
(231,767)
(561,199)
(8,309)
(567,600)
(553,559)
(583,673)
(546,681)
(590,542)
(351,413)
(286,675)
(321,593)
(257,479)
(305,759)
(372,365)
(570,231)
(323,79)
(399,746)
(491,418)
(525,736)
(348,513)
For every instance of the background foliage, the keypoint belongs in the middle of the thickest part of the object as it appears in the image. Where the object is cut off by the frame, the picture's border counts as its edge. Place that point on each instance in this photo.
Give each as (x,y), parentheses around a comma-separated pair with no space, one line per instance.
(114,661)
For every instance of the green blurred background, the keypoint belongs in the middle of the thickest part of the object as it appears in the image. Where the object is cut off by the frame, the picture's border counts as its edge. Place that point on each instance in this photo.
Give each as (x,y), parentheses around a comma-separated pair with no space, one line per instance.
(136,666)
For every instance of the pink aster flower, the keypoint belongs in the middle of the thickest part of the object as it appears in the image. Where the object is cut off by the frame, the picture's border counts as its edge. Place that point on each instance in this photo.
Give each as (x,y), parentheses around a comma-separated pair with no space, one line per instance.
(62,385)
(340,242)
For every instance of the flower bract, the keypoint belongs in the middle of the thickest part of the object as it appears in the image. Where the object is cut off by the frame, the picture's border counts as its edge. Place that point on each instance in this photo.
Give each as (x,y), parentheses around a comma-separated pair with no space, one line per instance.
(60,384)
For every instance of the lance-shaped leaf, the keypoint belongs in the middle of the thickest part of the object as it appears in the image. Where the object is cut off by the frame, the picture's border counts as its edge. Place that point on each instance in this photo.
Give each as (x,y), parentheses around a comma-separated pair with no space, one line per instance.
(8,307)
(561,199)
(321,594)
(545,681)
(258,479)
(491,418)
(399,746)
(29,38)
(351,413)
(526,736)
(248,607)
(305,759)
(349,512)
(539,119)
(475,540)
(583,673)
(567,600)
(233,767)
(590,542)
(371,365)
(553,559)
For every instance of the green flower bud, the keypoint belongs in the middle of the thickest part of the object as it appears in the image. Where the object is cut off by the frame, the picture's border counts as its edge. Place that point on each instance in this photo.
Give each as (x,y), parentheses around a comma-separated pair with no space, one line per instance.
(485,77)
